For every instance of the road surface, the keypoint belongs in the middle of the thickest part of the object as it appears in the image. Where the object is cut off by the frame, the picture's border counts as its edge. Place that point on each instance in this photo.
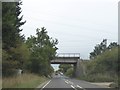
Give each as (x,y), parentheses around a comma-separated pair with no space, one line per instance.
(59,82)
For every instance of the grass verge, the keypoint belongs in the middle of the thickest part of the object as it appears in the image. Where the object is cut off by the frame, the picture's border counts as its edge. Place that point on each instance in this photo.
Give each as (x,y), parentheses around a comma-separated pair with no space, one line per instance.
(23,81)
(99,78)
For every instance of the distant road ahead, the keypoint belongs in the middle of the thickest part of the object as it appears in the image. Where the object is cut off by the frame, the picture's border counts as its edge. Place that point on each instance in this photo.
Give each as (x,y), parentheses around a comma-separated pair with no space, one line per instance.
(63,83)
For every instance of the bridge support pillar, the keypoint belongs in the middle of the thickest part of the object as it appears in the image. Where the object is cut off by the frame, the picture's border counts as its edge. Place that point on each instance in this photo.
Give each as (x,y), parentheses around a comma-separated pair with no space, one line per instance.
(77,70)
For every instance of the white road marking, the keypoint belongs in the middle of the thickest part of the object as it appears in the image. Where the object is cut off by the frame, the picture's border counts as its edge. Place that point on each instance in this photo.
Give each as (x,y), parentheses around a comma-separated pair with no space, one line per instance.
(66,82)
(69,82)
(45,84)
(79,86)
(73,87)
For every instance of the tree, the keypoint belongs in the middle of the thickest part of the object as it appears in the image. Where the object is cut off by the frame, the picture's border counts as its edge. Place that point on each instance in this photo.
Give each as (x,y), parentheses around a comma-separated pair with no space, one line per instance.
(99,48)
(69,72)
(65,67)
(11,22)
(43,49)
(112,45)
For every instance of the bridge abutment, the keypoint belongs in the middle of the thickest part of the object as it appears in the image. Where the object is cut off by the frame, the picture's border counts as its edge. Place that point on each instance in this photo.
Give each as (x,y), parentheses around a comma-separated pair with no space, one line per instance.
(78,71)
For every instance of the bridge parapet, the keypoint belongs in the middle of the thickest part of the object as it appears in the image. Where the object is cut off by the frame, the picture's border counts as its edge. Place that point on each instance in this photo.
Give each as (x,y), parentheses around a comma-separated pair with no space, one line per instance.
(68,56)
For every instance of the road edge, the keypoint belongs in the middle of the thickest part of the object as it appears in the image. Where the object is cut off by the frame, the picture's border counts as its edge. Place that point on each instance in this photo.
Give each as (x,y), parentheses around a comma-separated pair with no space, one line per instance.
(42,84)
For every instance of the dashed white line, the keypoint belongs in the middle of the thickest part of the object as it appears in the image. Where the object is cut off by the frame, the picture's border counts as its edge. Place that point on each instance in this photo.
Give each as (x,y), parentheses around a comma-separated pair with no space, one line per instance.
(72,86)
(66,81)
(79,86)
(45,85)
(69,82)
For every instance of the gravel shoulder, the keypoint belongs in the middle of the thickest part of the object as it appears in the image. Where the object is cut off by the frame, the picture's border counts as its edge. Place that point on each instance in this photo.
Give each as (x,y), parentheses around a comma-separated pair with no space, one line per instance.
(105,84)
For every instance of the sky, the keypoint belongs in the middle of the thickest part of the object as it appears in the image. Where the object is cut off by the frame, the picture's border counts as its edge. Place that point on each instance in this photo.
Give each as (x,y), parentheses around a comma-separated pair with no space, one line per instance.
(77,24)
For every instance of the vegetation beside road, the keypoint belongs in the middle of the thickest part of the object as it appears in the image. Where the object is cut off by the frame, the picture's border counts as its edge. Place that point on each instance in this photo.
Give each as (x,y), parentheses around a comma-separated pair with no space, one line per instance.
(31,55)
(103,67)
(67,69)
(23,81)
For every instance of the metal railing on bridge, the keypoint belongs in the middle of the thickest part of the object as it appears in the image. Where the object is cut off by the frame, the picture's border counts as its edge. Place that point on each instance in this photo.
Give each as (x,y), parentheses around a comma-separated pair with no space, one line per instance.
(68,55)
(66,58)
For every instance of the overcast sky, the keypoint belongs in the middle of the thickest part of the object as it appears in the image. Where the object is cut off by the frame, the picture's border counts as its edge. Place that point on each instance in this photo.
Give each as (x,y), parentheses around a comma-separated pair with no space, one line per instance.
(77,24)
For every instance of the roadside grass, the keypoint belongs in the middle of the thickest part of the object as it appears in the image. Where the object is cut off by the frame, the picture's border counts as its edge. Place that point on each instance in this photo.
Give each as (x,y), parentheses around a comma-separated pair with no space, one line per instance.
(0,83)
(23,81)
(103,68)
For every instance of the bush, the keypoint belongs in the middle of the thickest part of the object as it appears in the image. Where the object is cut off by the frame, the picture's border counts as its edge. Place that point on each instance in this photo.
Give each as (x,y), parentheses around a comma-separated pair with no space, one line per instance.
(98,78)
(103,68)
(69,72)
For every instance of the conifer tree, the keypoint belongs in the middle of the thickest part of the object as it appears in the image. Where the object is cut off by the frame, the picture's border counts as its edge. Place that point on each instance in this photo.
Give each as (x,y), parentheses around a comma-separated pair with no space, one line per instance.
(11,38)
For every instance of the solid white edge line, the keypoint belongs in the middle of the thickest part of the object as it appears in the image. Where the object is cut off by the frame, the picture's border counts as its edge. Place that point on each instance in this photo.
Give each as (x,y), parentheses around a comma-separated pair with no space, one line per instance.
(46,84)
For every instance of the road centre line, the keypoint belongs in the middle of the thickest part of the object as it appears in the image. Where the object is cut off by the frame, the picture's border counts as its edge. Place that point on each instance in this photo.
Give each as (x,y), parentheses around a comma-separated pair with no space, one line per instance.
(46,84)
(79,86)
(73,87)
(66,82)
(69,82)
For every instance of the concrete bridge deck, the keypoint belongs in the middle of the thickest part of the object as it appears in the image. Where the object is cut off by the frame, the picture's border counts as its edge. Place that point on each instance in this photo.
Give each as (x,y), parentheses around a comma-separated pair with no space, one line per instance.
(63,61)
(66,58)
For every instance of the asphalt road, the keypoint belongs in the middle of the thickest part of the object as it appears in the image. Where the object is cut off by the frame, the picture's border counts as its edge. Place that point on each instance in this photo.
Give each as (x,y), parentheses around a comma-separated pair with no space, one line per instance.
(59,82)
